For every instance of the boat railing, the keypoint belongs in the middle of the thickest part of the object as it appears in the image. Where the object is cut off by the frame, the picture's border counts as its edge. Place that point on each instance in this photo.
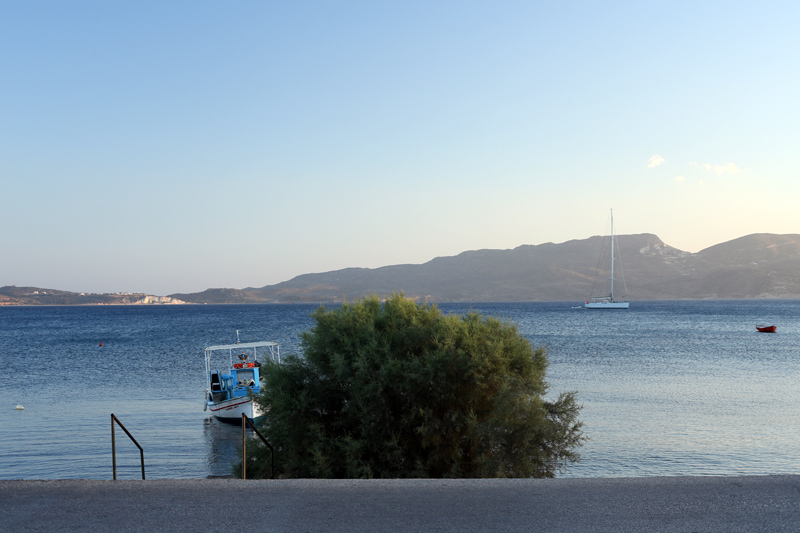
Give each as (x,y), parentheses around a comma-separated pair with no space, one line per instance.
(245,422)
(114,445)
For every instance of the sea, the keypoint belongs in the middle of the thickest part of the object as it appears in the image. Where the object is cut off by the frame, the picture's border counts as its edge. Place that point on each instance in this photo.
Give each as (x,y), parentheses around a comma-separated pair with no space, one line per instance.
(668,388)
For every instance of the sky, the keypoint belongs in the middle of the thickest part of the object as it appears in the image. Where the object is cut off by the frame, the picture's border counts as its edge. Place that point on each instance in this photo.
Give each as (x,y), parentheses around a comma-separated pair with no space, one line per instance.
(175,146)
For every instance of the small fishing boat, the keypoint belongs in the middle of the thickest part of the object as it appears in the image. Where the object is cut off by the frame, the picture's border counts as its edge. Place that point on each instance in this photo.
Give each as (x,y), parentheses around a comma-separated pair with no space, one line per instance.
(229,392)
(767,329)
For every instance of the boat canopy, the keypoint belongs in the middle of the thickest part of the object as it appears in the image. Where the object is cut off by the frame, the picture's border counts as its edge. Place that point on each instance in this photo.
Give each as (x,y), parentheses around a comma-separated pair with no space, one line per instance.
(242,345)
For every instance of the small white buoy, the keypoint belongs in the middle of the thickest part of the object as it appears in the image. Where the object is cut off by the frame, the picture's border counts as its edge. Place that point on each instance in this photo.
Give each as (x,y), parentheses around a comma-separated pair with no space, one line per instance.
(20,408)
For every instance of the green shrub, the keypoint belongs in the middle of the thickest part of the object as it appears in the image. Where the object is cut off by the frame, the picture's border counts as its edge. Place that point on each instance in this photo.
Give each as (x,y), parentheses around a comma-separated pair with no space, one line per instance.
(401,390)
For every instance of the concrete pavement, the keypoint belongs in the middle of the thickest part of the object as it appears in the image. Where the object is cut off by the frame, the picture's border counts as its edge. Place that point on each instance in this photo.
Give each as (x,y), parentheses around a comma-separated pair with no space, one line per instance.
(749,503)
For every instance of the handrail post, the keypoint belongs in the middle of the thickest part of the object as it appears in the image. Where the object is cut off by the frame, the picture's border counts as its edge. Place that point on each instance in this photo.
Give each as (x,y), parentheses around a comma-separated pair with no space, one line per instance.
(114,447)
(244,449)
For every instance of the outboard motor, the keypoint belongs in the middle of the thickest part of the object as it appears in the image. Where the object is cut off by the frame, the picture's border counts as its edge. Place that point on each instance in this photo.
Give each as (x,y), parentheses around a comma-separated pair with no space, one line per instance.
(216,384)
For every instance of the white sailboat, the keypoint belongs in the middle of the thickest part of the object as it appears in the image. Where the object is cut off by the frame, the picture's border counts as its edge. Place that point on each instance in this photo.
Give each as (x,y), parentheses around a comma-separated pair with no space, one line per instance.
(608,302)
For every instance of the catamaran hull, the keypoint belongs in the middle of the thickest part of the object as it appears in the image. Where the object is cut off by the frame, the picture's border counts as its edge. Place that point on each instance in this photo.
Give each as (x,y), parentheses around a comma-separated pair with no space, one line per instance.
(232,410)
(607,305)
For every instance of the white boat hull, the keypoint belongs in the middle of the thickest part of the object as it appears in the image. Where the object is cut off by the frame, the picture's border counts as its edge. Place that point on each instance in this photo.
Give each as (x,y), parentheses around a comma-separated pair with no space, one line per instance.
(607,305)
(232,410)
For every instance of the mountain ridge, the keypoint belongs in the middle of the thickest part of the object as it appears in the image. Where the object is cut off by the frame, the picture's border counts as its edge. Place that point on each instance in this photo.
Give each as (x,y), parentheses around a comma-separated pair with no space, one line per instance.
(759,265)
(754,266)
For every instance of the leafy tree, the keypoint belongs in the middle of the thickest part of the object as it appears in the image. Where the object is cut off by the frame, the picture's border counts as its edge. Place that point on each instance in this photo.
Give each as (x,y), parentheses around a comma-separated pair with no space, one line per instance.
(400,390)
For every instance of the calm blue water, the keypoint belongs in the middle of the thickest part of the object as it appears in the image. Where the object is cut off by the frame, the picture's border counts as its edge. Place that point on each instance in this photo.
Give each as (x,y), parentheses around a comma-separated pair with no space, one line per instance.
(668,388)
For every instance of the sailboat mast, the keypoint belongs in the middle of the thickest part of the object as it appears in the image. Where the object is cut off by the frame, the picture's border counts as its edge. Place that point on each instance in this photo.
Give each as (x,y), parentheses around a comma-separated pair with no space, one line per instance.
(606,301)
(612,255)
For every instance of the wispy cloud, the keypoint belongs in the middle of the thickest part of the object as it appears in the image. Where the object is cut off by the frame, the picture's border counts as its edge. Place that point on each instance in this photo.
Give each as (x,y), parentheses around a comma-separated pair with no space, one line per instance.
(655,161)
(719,170)
(680,178)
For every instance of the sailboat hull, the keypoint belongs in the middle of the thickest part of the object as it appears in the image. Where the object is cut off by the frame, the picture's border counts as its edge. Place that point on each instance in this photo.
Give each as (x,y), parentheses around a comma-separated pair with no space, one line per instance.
(607,305)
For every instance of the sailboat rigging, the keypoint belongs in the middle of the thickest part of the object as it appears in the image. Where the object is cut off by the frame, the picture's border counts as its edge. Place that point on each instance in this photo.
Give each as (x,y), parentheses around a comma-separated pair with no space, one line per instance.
(608,302)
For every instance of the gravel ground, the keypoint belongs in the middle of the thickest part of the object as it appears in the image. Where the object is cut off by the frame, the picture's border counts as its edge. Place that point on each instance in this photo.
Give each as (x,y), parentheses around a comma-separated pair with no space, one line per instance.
(750,503)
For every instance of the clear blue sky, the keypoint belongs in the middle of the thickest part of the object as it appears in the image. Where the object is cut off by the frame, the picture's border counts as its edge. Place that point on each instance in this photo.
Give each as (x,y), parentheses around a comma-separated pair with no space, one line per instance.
(175,146)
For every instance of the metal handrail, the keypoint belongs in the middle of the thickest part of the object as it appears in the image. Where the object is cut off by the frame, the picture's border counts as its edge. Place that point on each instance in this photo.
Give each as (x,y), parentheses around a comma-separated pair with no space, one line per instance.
(244,448)
(114,446)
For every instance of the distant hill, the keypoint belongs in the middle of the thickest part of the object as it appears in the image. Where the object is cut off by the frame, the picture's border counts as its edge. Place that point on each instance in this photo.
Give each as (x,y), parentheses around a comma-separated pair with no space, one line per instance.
(755,266)
(12,295)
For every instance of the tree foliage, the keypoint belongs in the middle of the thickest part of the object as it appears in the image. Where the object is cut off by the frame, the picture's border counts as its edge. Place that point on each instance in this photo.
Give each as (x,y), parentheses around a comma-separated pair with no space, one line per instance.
(399,389)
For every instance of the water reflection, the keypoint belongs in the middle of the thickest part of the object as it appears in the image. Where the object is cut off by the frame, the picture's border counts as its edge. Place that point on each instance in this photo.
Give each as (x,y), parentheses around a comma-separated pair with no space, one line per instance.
(223,442)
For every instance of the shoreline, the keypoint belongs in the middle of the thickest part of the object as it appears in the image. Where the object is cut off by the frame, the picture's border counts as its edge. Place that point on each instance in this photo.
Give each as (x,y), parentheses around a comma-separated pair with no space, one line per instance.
(446,302)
